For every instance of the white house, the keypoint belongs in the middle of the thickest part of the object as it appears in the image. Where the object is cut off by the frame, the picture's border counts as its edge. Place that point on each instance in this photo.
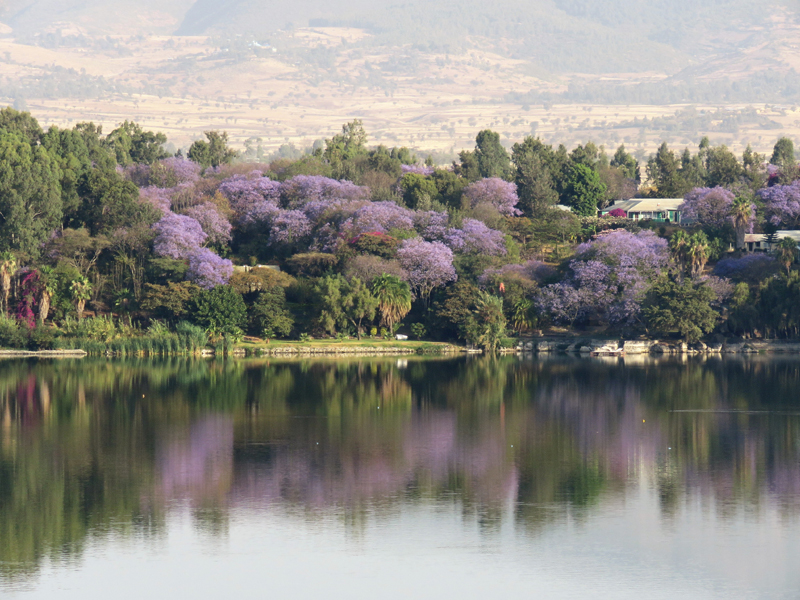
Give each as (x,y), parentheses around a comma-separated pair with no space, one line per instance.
(666,210)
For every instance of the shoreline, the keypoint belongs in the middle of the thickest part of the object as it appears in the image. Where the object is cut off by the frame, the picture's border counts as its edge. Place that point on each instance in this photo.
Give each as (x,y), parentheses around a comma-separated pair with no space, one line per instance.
(71,353)
(598,347)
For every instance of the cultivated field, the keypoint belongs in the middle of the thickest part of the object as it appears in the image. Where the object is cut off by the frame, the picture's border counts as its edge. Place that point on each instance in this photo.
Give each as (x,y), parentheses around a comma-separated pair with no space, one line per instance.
(185,85)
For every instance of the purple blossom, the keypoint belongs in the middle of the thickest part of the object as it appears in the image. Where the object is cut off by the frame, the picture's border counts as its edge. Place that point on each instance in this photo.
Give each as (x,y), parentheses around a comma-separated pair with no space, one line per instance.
(428,264)
(751,267)
(177,236)
(722,288)
(782,204)
(302,189)
(182,170)
(431,225)
(417,170)
(215,226)
(502,195)
(709,207)
(253,200)
(379,216)
(289,227)
(208,270)
(609,276)
(475,237)
(158,197)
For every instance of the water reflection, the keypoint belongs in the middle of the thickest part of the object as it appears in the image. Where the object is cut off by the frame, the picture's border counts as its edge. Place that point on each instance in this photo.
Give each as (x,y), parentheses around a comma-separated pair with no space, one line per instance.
(90,448)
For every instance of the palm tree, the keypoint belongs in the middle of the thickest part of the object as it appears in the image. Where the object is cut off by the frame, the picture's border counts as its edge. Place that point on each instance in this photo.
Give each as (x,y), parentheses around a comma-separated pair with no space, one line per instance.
(698,250)
(679,245)
(787,253)
(81,292)
(742,215)
(394,299)
(47,287)
(8,264)
(523,315)
(490,321)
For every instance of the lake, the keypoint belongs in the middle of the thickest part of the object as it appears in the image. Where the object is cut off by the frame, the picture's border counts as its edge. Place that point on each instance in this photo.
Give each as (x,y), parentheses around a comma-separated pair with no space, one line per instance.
(397,478)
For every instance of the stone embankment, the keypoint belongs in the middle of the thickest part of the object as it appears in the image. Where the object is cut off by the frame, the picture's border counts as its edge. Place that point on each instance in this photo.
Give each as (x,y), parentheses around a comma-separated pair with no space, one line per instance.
(42,353)
(619,347)
(352,350)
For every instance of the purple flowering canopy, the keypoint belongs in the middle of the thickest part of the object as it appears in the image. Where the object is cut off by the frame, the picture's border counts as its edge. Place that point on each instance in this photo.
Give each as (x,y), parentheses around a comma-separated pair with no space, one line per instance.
(708,207)
(253,200)
(158,197)
(208,270)
(431,225)
(500,194)
(475,237)
(428,264)
(289,227)
(215,226)
(379,216)
(177,236)
(782,204)
(608,278)
(302,189)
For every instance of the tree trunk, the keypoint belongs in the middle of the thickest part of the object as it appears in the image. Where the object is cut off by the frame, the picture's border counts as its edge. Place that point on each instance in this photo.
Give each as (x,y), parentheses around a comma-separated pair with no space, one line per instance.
(44,306)
(79,306)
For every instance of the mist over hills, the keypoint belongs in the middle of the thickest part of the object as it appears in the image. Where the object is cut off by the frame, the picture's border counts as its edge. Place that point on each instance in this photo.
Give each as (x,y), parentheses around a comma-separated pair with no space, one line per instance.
(559,36)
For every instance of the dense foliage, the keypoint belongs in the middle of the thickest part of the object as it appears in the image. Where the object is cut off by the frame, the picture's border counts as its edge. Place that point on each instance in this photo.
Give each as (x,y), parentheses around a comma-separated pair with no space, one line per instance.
(352,240)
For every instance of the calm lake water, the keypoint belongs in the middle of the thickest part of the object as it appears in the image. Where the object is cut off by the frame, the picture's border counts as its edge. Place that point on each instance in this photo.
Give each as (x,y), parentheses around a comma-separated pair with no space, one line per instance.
(400,478)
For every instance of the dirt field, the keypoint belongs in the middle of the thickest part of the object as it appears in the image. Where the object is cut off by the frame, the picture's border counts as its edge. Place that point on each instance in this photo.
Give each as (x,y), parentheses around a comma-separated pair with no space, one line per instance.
(276,97)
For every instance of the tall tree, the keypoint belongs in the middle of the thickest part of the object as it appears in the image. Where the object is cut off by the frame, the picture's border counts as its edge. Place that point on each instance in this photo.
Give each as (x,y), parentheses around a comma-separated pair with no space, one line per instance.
(394,299)
(492,158)
(663,171)
(585,191)
(30,194)
(213,151)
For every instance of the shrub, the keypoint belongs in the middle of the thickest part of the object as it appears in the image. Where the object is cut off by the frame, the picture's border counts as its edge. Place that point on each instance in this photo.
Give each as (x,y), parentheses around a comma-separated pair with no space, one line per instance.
(12,335)
(418,330)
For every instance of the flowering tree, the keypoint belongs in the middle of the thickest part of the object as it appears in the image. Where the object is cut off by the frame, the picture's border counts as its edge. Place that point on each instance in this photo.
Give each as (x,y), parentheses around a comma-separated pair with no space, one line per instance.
(288,227)
(253,200)
(177,236)
(500,194)
(782,204)
(428,264)
(158,197)
(215,226)
(302,189)
(475,237)
(379,216)
(608,278)
(208,270)
(708,207)
(431,225)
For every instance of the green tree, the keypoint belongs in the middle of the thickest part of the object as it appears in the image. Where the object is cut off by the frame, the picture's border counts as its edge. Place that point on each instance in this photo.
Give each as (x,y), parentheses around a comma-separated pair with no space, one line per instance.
(698,251)
(30,194)
(585,191)
(722,167)
(489,321)
(787,253)
(220,311)
(742,215)
(664,172)
(627,163)
(133,145)
(492,158)
(783,154)
(269,316)
(110,202)
(682,306)
(213,151)
(394,299)
(419,192)
(81,291)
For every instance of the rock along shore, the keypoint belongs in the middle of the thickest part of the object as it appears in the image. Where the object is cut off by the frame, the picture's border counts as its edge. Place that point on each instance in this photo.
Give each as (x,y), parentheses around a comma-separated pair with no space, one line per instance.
(620,347)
